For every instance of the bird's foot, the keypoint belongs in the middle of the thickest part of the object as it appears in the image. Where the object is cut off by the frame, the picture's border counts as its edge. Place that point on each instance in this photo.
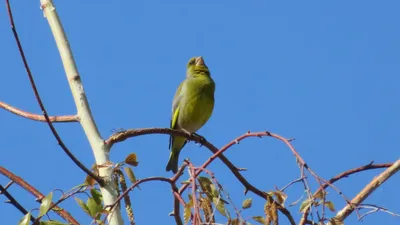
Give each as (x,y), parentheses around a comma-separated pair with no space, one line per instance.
(194,135)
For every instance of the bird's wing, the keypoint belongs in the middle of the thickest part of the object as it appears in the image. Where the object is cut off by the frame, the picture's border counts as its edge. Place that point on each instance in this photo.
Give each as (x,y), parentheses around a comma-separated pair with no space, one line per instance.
(175,110)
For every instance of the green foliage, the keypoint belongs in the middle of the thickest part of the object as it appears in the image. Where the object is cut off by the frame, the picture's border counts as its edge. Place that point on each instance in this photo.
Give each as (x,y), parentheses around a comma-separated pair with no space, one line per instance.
(46,204)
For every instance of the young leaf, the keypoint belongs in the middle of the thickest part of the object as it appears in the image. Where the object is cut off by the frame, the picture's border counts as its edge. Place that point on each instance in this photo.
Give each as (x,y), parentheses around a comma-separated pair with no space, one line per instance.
(130,174)
(330,206)
(247,203)
(94,208)
(45,205)
(259,219)
(83,206)
(220,206)
(305,205)
(98,198)
(320,194)
(25,220)
(187,212)
(131,159)
(206,185)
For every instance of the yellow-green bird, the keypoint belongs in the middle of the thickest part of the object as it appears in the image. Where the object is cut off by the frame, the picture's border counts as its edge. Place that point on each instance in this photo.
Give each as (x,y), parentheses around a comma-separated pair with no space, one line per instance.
(192,106)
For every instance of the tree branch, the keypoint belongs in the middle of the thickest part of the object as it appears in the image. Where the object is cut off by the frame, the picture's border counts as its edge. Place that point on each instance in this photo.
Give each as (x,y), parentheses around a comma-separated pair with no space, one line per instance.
(123,135)
(14,202)
(18,180)
(100,150)
(371,187)
(37,117)
(39,100)
(340,176)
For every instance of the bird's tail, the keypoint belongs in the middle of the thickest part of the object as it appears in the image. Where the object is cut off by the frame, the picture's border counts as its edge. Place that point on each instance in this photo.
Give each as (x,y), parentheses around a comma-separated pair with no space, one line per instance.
(173,162)
(177,145)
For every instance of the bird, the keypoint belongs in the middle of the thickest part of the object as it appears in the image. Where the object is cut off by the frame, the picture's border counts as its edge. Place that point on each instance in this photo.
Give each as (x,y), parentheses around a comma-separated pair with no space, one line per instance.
(192,106)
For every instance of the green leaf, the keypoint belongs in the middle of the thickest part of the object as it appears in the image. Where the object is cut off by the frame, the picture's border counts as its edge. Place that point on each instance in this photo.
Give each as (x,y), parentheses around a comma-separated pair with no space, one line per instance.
(98,198)
(52,222)
(83,206)
(25,220)
(330,206)
(305,205)
(247,203)
(320,194)
(131,159)
(94,208)
(207,186)
(220,206)
(130,174)
(45,205)
(187,211)
(259,219)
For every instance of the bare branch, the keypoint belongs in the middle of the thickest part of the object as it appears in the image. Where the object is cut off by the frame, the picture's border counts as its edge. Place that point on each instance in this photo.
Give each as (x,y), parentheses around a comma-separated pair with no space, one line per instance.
(18,180)
(371,187)
(345,174)
(39,100)
(37,117)
(14,202)
(123,135)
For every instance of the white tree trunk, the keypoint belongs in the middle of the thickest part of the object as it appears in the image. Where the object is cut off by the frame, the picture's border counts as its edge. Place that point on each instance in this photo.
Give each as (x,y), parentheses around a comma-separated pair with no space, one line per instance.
(100,150)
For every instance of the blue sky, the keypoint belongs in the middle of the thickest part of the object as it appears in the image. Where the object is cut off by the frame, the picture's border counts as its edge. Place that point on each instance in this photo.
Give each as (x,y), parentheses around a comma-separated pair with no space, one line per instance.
(324,72)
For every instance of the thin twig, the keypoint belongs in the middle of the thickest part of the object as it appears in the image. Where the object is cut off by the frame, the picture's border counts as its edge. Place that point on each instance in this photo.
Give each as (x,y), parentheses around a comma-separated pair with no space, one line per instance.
(22,183)
(41,105)
(371,187)
(373,209)
(14,202)
(37,117)
(345,174)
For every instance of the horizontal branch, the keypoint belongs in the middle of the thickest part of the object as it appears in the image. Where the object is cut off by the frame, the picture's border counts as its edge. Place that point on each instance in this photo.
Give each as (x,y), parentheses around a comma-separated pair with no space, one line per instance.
(18,180)
(37,117)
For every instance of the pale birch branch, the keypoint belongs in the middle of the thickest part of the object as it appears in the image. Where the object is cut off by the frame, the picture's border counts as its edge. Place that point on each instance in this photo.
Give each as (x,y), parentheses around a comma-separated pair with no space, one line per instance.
(367,191)
(100,150)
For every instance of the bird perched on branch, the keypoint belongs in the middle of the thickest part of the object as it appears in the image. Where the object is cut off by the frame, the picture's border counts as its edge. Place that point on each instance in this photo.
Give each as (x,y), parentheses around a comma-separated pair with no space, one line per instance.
(192,106)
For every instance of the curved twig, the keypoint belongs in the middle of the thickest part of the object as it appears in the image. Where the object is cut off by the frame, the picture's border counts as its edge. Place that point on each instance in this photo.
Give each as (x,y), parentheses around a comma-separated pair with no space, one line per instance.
(18,180)
(37,117)
(123,135)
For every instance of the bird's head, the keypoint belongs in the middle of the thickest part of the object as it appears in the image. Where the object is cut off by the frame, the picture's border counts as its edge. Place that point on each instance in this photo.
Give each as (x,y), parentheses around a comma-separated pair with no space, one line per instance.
(197,66)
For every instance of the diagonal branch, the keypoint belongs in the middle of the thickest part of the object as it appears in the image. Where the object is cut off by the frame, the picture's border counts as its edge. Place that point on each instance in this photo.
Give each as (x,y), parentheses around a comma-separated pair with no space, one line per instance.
(37,117)
(41,105)
(345,174)
(18,180)
(14,202)
(371,187)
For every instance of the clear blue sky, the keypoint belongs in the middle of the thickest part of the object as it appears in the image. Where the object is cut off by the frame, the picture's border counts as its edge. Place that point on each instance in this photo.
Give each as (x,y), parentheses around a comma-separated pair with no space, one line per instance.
(324,72)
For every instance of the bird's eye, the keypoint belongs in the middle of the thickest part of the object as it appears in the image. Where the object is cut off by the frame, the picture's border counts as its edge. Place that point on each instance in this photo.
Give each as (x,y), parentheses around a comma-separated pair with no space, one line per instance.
(192,62)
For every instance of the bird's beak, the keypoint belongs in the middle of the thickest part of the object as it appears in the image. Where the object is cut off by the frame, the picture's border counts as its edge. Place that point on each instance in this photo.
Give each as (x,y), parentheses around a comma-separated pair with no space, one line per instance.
(200,61)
